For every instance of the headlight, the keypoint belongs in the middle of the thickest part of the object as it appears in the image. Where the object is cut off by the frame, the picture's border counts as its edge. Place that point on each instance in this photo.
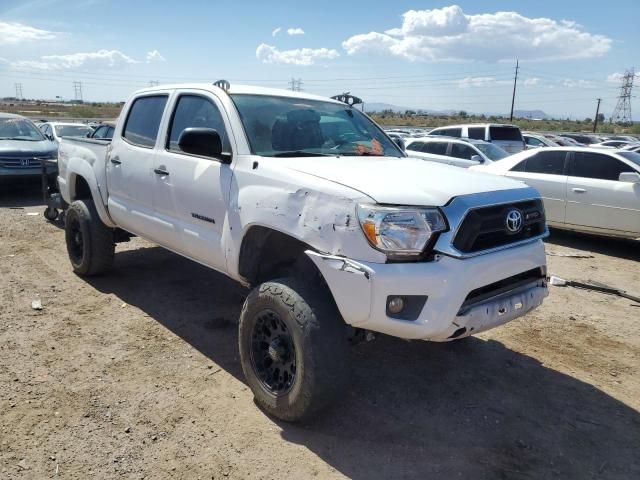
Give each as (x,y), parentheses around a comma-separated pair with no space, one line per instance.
(400,232)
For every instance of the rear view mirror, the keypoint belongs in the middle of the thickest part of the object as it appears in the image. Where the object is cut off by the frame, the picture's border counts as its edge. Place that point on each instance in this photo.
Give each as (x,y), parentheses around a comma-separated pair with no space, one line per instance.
(629,177)
(477,158)
(202,141)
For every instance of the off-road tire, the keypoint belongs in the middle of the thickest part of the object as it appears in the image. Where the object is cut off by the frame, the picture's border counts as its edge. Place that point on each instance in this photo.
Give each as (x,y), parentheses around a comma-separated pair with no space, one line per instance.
(320,341)
(92,252)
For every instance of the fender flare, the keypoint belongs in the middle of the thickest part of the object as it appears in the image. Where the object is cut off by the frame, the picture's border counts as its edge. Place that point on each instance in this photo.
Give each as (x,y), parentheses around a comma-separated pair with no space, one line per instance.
(78,167)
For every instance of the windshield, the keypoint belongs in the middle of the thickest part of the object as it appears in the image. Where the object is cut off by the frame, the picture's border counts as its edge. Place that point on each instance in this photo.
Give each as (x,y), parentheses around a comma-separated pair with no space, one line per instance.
(19,129)
(633,156)
(283,126)
(72,130)
(492,151)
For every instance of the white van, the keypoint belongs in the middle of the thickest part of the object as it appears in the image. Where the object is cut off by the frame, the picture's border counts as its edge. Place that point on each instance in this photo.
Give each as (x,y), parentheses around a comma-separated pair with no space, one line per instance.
(507,137)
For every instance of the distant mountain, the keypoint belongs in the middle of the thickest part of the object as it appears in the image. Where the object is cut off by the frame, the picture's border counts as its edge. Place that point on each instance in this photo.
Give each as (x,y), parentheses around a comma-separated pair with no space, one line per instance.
(379,107)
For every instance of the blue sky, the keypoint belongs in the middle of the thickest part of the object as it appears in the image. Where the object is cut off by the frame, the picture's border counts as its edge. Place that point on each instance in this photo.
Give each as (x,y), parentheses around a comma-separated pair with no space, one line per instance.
(418,54)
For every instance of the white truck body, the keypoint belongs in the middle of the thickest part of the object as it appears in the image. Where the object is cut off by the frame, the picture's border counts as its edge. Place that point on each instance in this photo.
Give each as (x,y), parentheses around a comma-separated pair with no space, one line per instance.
(204,209)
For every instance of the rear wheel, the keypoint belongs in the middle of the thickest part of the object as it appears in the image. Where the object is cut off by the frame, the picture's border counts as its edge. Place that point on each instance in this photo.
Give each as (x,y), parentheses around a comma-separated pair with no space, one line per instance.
(293,348)
(90,242)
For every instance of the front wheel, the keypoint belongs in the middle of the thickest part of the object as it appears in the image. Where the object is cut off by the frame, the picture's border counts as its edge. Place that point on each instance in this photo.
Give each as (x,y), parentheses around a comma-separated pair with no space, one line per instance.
(90,243)
(293,348)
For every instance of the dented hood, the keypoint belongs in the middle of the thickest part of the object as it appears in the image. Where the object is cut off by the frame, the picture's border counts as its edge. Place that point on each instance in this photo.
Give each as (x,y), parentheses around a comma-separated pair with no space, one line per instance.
(401,181)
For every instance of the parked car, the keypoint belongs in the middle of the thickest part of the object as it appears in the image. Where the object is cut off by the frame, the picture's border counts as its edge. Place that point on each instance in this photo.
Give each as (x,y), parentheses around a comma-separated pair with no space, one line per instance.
(507,137)
(633,147)
(537,141)
(612,144)
(54,131)
(454,151)
(626,138)
(23,147)
(582,138)
(103,131)
(305,200)
(584,189)
(568,142)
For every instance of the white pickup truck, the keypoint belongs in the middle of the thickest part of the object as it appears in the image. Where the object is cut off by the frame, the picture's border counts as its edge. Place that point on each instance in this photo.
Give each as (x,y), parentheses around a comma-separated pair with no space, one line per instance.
(308,202)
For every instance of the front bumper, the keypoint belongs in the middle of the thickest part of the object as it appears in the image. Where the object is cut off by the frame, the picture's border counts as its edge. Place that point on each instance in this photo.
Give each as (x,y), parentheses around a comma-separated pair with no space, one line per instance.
(361,289)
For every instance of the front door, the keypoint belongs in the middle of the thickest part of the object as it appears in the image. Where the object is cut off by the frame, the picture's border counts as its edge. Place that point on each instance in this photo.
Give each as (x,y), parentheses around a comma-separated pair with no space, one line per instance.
(191,192)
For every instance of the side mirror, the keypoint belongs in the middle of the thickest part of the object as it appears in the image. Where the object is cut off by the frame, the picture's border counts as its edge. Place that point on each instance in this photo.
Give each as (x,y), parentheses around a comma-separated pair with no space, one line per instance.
(205,142)
(477,158)
(629,177)
(400,143)
(88,135)
(50,137)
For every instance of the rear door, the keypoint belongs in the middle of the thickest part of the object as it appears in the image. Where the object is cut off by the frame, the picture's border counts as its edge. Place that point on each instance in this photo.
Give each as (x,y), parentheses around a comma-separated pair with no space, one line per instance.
(595,197)
(546,172)
(461,154)
(130,176)
(191,192)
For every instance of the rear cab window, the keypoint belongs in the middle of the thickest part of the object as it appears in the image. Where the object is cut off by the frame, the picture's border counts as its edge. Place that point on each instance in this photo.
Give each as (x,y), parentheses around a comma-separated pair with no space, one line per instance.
(143,120)
(505,133)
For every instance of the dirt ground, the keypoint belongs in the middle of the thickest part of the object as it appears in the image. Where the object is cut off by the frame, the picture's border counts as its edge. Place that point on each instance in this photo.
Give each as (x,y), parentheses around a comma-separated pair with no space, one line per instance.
(136,375)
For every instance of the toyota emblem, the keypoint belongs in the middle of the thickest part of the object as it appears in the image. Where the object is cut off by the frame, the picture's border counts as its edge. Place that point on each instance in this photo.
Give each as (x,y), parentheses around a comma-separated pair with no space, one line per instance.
(514,221)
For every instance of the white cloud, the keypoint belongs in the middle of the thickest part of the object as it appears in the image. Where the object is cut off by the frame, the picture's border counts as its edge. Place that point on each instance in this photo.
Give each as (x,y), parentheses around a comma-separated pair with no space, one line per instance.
(155,56)
(15,33)
(300,56)
(276,31)
(615,78)
(571,83)
(295,31)
(101,58)
(449,34)
(531,82)
(477,82)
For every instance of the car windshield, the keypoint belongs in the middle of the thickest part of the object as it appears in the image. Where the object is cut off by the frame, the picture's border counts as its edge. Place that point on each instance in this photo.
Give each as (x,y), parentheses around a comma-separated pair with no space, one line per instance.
(633,156)
(19,129)
(492,151)
(288,127)
(72,130)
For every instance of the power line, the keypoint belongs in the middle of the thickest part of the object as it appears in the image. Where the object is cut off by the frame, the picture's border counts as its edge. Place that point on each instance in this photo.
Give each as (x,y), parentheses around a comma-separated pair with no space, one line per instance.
(622,112)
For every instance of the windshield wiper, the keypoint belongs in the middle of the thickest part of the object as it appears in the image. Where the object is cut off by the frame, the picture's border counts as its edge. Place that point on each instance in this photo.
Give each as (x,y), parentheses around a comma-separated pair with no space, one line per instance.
(301,153)
(18,138)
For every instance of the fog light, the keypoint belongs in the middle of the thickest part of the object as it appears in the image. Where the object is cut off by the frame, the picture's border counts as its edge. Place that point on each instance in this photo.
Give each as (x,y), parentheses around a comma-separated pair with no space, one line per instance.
(395,305)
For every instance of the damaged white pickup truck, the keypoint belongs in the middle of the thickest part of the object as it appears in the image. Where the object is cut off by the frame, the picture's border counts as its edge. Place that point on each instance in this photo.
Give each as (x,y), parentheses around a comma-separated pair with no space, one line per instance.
(307,201)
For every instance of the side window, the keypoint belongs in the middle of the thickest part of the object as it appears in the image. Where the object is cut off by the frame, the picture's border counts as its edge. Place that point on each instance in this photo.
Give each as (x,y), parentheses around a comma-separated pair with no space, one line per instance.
(100,132)
(476,133)
(196,111)
(460,150)
(596,165)
(452,132)
(533,141)
(551,163)
(143,121)
(110,131)
(437,148)
(415,146)
(519,167)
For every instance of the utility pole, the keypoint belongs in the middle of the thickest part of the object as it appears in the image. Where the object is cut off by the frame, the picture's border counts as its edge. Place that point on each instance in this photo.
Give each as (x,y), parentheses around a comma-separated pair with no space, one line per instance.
(595,120)
(622,112)
(513,97)
(18,91)
(295,85)
(77,89)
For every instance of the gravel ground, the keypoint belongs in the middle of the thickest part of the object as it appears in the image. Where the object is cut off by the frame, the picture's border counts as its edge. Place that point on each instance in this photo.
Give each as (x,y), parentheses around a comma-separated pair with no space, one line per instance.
(136,375)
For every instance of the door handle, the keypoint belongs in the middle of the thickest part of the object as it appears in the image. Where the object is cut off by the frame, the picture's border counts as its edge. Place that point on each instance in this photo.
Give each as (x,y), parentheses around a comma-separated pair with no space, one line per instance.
(115,160)
(160,171)
(578,190)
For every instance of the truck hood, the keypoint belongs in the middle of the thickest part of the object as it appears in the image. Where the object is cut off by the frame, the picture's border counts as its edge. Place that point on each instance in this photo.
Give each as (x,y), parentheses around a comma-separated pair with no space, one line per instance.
(401,181)
(22,148)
